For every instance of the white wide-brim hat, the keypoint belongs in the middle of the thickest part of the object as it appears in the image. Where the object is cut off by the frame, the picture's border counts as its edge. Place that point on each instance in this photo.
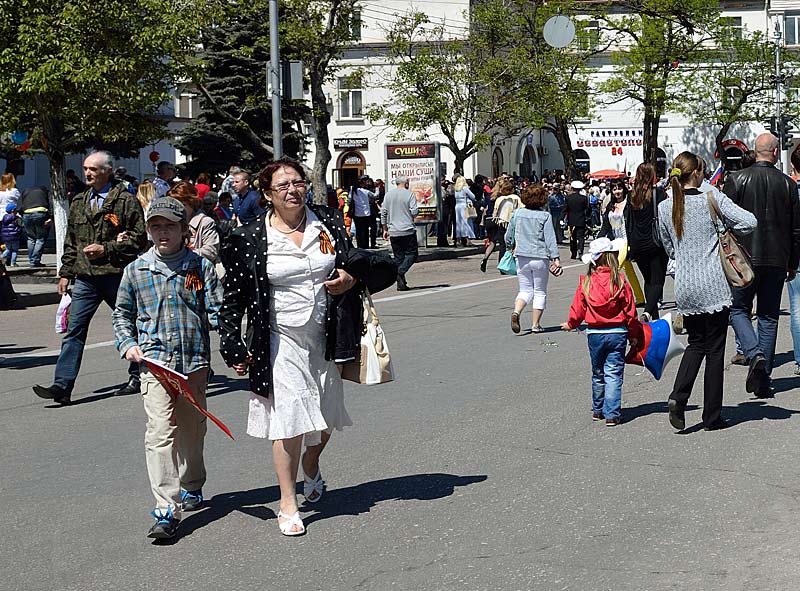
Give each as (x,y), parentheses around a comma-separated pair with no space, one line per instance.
(578,185)
(600,245)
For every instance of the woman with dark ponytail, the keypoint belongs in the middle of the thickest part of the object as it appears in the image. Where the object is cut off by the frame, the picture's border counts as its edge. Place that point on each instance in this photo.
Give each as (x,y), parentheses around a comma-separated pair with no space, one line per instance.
(702,293)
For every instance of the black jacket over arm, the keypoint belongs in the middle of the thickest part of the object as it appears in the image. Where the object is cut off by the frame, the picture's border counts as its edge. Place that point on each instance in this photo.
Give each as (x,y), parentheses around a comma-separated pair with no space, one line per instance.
(772,197)
(247,289)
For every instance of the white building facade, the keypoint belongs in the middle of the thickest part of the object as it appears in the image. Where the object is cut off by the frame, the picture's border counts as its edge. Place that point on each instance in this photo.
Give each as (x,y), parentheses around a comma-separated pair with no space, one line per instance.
(610,139)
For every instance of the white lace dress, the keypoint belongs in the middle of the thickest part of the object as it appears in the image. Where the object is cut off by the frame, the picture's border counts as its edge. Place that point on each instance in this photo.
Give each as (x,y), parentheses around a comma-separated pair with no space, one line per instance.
(307,392)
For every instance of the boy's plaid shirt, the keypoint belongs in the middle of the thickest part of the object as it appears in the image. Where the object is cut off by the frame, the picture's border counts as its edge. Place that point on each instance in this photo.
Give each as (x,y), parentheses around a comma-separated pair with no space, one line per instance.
(168,316)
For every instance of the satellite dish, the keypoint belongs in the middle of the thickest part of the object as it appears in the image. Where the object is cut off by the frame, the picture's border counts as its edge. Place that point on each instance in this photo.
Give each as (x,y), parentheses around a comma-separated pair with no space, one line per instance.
(559,31)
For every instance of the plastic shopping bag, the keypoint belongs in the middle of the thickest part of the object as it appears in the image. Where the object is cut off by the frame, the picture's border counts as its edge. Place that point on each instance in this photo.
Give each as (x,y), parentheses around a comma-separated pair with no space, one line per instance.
(62,314)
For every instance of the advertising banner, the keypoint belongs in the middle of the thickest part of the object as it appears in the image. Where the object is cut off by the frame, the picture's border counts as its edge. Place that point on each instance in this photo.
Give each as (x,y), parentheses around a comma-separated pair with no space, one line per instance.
(419,163)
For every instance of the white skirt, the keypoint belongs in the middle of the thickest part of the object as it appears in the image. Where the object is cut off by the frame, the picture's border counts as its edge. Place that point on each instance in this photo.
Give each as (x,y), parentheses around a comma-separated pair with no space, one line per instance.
(307,391)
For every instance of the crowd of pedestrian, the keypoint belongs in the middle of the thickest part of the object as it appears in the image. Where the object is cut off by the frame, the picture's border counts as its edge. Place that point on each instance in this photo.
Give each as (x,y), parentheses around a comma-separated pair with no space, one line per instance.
(177,258)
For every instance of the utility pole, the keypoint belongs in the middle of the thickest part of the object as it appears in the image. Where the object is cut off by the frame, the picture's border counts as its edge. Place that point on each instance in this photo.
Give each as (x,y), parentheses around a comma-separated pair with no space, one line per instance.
(778,88)
(275,77)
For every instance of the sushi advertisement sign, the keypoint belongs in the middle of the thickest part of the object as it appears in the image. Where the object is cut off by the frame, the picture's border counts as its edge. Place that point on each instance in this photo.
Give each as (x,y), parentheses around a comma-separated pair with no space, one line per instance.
(419,163)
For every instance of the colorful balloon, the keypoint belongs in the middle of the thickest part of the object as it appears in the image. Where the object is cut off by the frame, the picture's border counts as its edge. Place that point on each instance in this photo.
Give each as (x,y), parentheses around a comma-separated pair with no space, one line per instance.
(19,137)
(660,345)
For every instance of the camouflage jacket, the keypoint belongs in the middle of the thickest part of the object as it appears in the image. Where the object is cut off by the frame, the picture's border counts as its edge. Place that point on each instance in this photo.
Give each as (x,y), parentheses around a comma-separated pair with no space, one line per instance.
(120,212)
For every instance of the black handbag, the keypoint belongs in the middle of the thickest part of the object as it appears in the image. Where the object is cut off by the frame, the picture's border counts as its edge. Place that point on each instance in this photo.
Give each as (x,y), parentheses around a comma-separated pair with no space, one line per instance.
(655,232)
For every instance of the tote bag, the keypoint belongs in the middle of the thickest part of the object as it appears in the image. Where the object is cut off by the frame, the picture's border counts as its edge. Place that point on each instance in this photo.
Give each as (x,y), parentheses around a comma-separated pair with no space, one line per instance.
(374,365)
(508,264)
(734,258)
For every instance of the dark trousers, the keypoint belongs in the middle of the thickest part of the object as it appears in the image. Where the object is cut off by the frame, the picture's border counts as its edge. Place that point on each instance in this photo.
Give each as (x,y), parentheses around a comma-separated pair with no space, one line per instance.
(87,295)
(362,230)
(405,252)
(577,235)
(653,265)
(767,288)
(555,214)
(707,335)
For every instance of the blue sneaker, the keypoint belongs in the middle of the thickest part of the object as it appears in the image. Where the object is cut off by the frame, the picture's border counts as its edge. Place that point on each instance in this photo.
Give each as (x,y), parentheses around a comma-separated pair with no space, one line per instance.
(191,500)
(165,527)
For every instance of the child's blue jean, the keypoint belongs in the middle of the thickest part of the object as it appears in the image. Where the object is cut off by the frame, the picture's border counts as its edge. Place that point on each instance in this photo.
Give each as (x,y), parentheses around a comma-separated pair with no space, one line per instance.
(607,351)
(12,248)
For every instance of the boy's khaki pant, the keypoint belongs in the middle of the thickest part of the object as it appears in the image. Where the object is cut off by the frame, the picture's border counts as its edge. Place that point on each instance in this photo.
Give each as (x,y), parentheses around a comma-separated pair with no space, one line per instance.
(173,440)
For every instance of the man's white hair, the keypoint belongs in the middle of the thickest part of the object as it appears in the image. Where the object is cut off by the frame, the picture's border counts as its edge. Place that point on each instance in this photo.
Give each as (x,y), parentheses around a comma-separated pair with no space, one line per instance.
(106,159)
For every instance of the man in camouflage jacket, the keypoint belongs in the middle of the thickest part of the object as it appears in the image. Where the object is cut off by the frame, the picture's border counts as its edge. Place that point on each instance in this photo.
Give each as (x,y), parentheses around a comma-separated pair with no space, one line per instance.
(105,232)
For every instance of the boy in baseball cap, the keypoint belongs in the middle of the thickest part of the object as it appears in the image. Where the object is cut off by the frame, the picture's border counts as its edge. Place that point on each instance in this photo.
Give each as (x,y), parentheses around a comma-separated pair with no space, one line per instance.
(166,307)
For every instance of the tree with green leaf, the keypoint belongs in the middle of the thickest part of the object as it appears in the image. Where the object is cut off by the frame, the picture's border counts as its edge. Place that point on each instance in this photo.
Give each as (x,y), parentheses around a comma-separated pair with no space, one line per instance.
(235,123)
(461,88)
(91,69)
(733,81)
(317,32)
(654,38)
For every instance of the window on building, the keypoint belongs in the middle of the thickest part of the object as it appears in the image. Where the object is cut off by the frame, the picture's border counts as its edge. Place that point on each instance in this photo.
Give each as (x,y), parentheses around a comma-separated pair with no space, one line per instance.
(350,94)
(791,28)
(355,25)
(734,24)
(187,105)
(730,95)
(588,35)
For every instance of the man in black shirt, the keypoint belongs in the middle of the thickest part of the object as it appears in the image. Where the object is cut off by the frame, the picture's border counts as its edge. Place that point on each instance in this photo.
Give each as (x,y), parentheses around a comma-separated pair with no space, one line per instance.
(576,213)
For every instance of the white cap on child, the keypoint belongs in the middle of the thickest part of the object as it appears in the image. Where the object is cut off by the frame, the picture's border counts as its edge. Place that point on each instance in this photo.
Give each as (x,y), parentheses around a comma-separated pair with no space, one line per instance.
(600,245)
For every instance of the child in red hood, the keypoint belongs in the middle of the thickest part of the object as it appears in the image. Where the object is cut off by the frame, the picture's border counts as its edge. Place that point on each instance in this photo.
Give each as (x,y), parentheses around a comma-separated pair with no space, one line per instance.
(604,299)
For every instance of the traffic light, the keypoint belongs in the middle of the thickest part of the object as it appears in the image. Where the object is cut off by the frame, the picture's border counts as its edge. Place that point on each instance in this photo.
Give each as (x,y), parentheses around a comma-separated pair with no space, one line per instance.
(786,127)
(772,125)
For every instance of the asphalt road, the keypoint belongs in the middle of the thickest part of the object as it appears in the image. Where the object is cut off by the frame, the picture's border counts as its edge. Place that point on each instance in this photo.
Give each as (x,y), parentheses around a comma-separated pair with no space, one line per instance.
(479,468)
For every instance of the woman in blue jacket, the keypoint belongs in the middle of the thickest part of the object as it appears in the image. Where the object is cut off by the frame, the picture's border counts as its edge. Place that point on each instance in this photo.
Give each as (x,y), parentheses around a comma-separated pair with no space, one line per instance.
(531,234)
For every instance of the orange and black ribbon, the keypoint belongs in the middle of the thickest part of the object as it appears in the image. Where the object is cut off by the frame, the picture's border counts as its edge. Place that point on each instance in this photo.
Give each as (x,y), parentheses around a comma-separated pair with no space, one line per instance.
(193,281)
(325,245)
(112,219)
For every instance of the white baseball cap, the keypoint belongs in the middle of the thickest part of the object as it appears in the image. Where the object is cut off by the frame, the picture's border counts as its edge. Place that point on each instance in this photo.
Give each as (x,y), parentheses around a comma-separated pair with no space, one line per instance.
(600,245)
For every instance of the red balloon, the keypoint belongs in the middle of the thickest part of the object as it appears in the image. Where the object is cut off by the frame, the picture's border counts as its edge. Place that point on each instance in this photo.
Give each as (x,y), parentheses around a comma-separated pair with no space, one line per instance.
(24,146)
(154,156)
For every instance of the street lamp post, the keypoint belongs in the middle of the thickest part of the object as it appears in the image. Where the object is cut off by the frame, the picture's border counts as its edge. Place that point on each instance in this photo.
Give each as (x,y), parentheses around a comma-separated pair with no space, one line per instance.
(275,77)
(778,82)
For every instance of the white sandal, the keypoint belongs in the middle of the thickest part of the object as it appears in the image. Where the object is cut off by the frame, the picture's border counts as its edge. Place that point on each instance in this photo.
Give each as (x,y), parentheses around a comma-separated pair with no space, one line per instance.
(313,485)
(291,521)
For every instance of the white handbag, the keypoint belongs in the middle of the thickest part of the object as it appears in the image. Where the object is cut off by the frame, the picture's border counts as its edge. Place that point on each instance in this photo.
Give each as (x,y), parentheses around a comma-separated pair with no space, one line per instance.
(375,364)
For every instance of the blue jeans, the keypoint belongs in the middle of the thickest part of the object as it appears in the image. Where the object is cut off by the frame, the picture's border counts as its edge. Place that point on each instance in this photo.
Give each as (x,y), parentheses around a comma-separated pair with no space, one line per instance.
(87,295)
(37,234)
(794,315)
(607,352)
(10,253)
(767,288)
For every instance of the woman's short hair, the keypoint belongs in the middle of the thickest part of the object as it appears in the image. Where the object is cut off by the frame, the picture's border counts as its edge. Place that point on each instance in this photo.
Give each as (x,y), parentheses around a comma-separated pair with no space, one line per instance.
(7,181)
(534,197)
(265,175)
(186,193)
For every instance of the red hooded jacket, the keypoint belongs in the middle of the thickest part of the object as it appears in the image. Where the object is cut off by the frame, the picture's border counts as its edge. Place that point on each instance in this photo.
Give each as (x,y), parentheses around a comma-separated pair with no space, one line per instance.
(603,310)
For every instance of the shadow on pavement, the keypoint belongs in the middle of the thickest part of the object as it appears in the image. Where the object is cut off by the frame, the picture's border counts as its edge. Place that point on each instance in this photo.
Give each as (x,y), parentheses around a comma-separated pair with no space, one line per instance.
(28,362)
(224,385)
(758,410)
(352,500)
(12,349)
(649,408)
(783,358)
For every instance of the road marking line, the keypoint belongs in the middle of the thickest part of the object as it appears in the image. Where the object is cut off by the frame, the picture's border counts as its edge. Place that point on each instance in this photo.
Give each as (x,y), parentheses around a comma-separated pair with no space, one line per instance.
(57,351)
(419,294)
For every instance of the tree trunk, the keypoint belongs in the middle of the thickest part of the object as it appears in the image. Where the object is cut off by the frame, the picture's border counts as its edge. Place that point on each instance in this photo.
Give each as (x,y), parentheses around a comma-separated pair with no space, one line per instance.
(560,129)
(322,153)
(650,137)
(723,131)
(52,138)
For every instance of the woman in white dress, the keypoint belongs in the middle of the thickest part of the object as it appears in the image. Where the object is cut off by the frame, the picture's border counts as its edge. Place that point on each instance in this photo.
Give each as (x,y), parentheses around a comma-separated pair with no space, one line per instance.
(463,225)
(286,269)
